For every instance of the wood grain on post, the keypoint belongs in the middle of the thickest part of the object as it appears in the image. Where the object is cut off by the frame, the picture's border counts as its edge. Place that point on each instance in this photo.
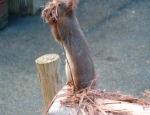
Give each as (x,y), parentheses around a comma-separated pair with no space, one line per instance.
(48,70)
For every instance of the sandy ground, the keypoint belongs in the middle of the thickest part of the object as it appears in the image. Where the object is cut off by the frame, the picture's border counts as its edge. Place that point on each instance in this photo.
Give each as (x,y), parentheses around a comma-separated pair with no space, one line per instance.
(118,32)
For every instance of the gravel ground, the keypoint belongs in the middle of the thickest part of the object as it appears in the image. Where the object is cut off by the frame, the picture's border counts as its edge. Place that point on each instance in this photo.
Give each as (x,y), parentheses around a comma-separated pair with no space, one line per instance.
(119,35)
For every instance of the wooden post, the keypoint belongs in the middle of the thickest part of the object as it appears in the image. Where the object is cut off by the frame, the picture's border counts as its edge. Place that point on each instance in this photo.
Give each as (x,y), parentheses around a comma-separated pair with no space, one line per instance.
(48,70)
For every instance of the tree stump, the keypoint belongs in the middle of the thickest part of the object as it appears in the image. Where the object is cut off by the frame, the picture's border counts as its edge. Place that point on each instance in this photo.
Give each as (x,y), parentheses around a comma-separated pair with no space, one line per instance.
(48,71)
(67,102)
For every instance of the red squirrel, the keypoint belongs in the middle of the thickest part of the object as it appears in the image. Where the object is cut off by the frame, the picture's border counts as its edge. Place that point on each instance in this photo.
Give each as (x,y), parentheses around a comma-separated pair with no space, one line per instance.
(60,14)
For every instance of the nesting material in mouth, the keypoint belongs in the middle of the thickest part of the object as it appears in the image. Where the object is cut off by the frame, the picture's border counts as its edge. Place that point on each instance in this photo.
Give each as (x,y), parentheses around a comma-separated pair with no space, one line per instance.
(49,14)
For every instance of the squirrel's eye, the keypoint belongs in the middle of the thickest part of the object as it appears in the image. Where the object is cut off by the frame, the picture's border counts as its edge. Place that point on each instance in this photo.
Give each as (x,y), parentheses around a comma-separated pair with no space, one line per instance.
(59,4)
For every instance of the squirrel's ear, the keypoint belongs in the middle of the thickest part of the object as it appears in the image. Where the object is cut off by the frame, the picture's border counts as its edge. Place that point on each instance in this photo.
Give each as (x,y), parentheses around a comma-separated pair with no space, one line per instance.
(72,4)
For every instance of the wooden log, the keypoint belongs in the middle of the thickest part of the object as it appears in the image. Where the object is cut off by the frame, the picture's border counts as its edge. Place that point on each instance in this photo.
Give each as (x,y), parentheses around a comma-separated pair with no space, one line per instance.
(48,71)
(125,107)
(104,105)
(56,108)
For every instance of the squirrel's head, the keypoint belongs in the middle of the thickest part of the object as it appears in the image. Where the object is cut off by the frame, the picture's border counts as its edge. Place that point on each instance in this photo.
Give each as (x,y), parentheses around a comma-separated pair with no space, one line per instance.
(58,9)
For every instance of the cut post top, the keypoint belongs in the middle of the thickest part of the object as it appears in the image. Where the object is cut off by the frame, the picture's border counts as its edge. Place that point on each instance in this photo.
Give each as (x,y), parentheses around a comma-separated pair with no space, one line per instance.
(47,58)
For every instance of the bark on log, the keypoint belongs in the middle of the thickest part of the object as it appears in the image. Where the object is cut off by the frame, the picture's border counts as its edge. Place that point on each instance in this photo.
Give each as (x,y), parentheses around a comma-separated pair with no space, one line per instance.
(105,105)
(48,70)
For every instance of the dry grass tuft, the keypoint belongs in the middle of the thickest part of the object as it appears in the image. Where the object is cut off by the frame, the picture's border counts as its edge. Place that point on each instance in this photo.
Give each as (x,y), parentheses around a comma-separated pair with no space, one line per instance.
(50,13)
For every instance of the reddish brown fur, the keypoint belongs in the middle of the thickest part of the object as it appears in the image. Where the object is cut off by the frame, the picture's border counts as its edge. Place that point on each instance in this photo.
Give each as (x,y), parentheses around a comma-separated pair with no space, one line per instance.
(67,32)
